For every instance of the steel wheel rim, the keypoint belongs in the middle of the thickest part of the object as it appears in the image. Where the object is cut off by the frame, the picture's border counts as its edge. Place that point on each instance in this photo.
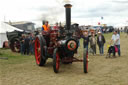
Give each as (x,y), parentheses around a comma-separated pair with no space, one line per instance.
(87,61)
(57,61)
(37,51)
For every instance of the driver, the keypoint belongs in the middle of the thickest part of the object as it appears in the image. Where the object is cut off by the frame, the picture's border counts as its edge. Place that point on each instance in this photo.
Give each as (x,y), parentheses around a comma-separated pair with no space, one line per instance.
(46,27)
(46,32)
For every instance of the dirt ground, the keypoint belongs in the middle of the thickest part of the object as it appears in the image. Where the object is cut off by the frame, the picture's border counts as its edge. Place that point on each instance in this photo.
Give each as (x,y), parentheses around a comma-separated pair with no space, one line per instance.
(102,71)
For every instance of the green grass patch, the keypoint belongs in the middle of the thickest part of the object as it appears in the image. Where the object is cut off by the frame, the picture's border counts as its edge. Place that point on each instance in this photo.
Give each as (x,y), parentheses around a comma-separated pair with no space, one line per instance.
(13,58)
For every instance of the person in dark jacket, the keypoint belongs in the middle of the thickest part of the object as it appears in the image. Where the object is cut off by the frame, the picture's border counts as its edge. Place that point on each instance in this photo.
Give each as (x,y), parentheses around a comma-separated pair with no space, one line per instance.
(100,42)
(127,31)
(31,44)
(26,45)
(22,44)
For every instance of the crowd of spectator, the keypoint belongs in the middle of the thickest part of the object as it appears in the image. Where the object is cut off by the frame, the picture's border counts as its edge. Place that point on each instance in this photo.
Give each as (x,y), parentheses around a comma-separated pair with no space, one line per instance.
(27,44)
(98,39)
(94,39)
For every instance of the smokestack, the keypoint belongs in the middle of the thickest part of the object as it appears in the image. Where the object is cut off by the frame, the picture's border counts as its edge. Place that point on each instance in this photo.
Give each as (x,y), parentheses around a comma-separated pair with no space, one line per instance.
(43,22)
(68,15)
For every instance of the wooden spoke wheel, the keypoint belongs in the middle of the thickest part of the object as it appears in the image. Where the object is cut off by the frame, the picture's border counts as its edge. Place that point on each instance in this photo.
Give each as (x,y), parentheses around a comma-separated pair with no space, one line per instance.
(15,45)
(56,61)
(85,61)
(39,52)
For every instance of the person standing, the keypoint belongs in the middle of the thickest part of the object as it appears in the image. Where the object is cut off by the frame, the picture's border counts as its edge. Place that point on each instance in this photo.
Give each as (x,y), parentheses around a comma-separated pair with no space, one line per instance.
(118,31)
(116,41)
(93,42)
(22,44)
(32,41)
(100,42)
(127,31)
(85,39)
(26,45)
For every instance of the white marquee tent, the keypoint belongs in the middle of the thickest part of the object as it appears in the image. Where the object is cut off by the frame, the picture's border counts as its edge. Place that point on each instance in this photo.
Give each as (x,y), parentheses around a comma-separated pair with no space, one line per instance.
(3,29)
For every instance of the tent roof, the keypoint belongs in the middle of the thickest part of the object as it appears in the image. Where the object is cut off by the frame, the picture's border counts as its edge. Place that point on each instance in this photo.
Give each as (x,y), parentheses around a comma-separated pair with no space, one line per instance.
(7,28)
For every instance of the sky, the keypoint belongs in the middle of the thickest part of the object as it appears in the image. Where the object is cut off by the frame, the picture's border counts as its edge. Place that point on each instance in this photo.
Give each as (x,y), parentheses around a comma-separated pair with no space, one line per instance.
(84,12)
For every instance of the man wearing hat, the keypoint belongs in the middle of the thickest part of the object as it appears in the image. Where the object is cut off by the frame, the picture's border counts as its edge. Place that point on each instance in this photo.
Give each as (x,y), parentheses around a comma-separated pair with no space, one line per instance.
(100,42)
(93,42)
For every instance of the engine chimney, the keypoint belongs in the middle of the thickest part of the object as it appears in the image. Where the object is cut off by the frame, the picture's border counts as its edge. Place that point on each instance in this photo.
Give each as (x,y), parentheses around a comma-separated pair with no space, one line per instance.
(43,22)
(68,15)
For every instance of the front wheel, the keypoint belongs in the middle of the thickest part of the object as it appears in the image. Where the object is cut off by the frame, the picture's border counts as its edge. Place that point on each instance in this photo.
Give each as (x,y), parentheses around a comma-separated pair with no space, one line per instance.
(85,61)
(56,61)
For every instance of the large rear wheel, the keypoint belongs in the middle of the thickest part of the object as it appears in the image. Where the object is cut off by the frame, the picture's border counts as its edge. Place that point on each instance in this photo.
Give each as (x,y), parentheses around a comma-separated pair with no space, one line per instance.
(85,61)
(56,61)
(39,51)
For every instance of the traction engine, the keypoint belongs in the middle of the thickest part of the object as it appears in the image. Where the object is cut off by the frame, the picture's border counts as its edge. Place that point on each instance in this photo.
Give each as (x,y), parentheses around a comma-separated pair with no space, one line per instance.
(60,46)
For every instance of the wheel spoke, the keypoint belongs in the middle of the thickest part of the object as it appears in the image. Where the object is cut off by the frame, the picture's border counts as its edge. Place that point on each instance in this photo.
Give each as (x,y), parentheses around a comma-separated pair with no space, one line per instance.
(38,50)
(38,56)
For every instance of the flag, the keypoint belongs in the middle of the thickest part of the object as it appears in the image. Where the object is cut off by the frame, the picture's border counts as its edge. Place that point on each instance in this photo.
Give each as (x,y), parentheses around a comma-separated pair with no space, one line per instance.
(98,23)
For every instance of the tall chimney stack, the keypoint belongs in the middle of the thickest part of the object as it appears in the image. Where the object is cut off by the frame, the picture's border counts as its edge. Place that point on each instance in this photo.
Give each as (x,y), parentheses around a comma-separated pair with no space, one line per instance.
(68,15)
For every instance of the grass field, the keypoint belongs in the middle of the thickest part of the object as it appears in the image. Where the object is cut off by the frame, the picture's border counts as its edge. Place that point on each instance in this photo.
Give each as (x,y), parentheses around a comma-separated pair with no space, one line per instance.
(22,70)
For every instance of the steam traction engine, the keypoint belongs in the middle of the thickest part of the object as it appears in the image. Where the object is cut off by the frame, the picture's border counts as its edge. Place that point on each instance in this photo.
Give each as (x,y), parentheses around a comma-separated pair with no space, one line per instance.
(60,47)
(14,40)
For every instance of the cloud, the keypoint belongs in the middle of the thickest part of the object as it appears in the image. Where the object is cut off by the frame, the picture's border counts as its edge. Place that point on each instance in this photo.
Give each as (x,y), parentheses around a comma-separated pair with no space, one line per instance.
(107,9)
(112,12)
(120,1)
(83,11)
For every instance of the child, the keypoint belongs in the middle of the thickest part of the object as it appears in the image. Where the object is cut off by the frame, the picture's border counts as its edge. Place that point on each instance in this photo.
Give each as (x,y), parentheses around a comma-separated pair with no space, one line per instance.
(85,39)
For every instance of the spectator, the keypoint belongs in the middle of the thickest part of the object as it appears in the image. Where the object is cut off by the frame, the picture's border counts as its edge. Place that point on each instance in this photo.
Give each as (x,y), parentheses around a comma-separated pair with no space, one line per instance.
(121,30)
(93,42)
(118,31)
(100,42)
(22,44)
(32,41)
(127,31)
(116,41)
(85,40)
(26,44)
